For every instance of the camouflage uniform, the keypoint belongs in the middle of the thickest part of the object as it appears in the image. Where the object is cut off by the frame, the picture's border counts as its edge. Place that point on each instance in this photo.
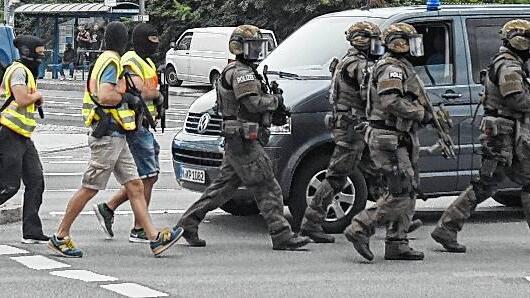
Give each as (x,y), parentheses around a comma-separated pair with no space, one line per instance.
(244,106)
(505,135)
(348,98)
(395,115)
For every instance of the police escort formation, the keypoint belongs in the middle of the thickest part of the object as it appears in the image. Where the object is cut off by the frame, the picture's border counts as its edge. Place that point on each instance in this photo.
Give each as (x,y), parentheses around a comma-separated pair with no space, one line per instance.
(379,105)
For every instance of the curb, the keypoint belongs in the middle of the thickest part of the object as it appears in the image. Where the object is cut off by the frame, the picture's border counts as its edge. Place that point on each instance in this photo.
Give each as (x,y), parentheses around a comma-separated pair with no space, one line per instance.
(10,214)
(55,150)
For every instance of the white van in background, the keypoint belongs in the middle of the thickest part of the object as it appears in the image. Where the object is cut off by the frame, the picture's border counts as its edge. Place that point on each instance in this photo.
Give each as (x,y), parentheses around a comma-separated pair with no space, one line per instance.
(200,54)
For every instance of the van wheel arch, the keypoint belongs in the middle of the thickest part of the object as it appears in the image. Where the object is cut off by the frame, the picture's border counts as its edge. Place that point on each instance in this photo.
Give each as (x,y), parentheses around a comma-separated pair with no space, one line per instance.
(171,76)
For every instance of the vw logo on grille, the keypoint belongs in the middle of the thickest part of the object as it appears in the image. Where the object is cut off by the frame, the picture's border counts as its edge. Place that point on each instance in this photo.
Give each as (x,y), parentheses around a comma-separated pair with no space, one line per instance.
(203,123)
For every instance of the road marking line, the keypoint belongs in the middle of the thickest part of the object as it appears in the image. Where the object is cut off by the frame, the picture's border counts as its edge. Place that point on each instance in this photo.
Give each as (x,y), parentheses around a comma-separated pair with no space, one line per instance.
(84,275)
(10,250)
(166,211)
(133,290)
(527,278)
(39,262)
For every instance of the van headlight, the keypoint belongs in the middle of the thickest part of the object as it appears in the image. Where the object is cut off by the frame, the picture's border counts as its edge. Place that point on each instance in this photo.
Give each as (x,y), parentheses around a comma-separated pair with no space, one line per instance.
(282,130)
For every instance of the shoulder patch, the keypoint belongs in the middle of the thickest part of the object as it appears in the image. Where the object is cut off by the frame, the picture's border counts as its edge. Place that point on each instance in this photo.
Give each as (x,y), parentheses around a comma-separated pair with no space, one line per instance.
(395,75)
(245,78)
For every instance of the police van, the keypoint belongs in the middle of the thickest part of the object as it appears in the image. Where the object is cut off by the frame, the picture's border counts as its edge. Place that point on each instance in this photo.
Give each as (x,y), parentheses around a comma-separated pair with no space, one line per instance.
(459,41)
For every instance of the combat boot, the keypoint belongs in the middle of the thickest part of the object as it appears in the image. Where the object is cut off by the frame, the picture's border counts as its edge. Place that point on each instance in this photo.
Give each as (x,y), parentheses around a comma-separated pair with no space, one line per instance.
(318,236)
(193,239)
(293,243)
(448,240)
(414,225)
(361,243)
(401,251)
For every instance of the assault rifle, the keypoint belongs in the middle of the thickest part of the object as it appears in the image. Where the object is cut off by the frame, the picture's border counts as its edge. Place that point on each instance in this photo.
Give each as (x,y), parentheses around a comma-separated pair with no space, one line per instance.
(162,107)
(139,106)
(279,117)
(442,123)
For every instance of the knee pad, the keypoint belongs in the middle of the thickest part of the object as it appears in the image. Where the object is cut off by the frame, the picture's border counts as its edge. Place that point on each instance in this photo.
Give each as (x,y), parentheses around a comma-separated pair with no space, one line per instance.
(7,192)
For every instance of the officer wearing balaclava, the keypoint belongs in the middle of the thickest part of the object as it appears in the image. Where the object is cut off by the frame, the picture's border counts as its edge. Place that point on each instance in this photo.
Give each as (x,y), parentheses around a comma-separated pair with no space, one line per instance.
(142,143)
(19,159)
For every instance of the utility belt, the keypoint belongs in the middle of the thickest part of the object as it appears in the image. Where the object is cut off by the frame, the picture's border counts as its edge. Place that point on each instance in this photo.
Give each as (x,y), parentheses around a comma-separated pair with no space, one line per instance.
(342,120)
(246,130)
(382,124)
(493,126)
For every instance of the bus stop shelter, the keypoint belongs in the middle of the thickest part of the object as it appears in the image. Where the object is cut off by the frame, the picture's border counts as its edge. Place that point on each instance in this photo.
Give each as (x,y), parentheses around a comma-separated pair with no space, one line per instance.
(61,12)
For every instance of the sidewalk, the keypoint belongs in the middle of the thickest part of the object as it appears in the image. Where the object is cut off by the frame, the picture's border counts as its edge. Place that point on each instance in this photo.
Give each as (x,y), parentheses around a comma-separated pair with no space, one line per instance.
(50,142)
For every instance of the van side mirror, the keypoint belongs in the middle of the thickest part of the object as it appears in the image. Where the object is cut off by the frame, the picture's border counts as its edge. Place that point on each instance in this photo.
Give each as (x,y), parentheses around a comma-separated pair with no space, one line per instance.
(173,44)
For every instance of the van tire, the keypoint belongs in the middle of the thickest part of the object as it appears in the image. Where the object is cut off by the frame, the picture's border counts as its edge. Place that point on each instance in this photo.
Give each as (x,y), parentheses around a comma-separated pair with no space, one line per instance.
(298,199)
(171,75)
(508,198)
(241,206)
(214,77)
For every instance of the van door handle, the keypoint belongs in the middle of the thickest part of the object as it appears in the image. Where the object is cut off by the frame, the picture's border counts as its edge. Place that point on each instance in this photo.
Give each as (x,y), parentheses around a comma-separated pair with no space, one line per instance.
(451,95)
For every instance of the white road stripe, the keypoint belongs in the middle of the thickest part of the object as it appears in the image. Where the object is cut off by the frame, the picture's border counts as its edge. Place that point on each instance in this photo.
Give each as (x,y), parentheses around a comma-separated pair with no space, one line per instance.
(133,290)
(39,262)
(84,275)
(10,250)
(527,278)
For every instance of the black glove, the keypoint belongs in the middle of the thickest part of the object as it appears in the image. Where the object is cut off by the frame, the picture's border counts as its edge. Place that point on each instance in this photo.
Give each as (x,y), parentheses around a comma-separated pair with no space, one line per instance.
(132,100)
(427,118)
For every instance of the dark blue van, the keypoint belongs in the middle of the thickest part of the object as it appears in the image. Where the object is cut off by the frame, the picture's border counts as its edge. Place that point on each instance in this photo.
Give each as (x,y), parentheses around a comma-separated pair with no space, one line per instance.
(459,41)
(8,52)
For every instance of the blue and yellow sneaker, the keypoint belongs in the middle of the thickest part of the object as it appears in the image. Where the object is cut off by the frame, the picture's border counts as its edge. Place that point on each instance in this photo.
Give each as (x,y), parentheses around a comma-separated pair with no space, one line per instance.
(64,247)
(166,238)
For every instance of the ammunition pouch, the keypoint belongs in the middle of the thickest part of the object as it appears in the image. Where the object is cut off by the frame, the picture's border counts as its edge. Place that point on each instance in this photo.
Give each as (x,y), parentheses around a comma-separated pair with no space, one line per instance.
(239,133)
(493,126)
(103,126)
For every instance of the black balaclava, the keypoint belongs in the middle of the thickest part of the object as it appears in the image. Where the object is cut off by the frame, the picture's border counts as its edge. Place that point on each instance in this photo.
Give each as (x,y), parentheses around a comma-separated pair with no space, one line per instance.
(116,37)
(26,45)
(141,43)
(525,55)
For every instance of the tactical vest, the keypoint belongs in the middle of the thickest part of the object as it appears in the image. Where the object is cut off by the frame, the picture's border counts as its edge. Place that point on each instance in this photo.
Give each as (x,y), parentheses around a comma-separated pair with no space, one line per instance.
(122,115)
(226,99)
(146,70)
(345,92)
(18,119)
(412,84)
(493,100)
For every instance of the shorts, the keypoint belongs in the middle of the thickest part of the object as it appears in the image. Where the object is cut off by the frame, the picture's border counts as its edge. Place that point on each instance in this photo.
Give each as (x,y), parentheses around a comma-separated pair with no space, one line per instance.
(145,151)
(109,155)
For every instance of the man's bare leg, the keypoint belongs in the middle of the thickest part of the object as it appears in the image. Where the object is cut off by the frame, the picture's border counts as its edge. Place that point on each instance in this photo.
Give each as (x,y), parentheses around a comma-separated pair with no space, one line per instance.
(76,204)
(135,193)
(121,197)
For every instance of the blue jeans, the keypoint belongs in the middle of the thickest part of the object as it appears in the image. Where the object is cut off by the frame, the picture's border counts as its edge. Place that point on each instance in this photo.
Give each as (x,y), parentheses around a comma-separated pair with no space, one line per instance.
(70,67)
(145,151)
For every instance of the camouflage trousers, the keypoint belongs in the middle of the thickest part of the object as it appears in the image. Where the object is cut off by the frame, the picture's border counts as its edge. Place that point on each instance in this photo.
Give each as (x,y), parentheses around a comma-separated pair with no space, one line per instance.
(395,154)
(252,169)
(502,156)
(343,162)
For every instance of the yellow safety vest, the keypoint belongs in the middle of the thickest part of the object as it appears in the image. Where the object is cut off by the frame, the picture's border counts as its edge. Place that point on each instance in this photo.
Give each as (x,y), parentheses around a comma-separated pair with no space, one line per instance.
(146,70)
(19,119)
(123,116)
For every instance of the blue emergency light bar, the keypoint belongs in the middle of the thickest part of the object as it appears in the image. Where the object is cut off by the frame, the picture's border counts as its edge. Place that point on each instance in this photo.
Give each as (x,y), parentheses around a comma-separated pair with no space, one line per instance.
(433,5)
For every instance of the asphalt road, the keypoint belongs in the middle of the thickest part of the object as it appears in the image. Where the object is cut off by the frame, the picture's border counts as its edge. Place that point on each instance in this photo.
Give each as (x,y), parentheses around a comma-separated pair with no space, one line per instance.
(238,260)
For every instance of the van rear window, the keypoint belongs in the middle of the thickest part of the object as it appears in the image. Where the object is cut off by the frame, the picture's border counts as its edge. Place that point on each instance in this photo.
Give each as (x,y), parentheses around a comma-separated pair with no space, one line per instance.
(484,41)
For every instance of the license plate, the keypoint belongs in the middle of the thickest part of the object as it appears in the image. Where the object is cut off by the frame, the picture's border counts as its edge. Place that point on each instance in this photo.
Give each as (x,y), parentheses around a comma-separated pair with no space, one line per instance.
(193,175)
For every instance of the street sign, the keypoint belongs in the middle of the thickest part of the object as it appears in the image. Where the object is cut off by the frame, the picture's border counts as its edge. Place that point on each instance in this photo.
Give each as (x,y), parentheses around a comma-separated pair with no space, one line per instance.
(141,18)
(111,3)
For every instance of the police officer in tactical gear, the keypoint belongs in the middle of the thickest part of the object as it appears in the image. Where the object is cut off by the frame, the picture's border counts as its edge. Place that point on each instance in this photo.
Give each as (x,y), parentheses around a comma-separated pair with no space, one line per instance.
(505,134)
(348,99)
(246,110)
(19,160)
(394,115)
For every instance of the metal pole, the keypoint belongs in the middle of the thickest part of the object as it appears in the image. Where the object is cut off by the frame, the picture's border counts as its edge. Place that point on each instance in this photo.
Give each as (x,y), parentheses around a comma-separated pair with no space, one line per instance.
(142,9)
(6,11)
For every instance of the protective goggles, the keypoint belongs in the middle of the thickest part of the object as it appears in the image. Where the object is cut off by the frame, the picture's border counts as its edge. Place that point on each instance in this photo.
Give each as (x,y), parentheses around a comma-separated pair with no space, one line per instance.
(255,49)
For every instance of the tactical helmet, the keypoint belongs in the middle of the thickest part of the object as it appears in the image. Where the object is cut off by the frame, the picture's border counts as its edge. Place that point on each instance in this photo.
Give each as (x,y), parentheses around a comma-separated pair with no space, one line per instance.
(247,40)
(360,34)
(396,37)
(517,34)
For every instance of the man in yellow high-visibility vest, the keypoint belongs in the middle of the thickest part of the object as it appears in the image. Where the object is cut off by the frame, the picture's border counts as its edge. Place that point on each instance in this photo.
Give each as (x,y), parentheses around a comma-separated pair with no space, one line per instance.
(143,145)
(19,160)
(107,105)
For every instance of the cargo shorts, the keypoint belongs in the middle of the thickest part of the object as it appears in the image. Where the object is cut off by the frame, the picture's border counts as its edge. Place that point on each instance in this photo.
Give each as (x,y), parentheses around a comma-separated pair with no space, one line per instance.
(109,154)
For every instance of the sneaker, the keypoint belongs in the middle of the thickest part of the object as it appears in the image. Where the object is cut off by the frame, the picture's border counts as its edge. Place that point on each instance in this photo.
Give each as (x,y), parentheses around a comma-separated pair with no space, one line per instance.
(41,239)
(166,238)
(105,217)
(65,247)
(193,239)
(138,236)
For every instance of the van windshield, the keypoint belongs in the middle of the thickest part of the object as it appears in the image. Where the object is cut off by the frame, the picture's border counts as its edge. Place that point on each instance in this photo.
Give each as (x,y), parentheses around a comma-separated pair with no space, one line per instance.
(310,50)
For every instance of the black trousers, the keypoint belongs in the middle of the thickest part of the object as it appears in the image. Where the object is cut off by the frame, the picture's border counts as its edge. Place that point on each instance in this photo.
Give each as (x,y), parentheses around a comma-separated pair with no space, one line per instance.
(19,160)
